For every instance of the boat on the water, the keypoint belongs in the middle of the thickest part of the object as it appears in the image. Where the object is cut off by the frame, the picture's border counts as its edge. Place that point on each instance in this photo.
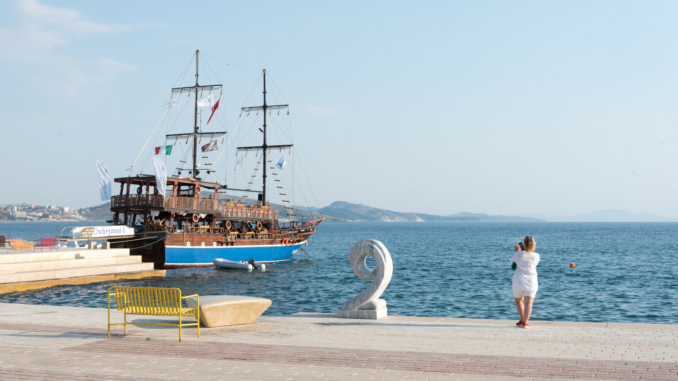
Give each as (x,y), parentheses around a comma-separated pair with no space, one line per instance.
(198,221)
(242,265)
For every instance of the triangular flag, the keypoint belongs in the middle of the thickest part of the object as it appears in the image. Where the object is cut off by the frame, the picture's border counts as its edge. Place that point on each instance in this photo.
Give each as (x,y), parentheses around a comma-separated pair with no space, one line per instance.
(214,108)
(238,163)
(281,162)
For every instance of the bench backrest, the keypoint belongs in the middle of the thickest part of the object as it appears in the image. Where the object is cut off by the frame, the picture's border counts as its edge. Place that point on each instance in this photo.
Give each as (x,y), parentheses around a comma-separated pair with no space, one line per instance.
(48,241)
(14,242)
(147,300)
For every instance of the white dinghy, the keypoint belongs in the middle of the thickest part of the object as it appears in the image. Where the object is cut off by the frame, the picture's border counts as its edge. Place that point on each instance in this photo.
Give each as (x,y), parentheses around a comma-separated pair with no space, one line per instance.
(242,265)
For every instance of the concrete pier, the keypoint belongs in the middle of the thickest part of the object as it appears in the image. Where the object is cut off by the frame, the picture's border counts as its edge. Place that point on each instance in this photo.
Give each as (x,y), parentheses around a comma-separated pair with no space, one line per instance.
(46,342)
(35,270)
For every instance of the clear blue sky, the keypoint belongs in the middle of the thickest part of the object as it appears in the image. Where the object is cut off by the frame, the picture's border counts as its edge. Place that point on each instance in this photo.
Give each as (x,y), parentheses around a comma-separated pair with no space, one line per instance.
(438,107)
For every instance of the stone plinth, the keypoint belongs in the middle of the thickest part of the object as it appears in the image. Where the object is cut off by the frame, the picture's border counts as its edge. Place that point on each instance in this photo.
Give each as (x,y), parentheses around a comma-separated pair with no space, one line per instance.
(225,310)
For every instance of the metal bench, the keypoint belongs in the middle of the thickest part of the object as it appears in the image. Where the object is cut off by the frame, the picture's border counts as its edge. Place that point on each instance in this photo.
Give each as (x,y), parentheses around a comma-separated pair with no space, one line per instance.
(152,301)
(46,243)
(18,244)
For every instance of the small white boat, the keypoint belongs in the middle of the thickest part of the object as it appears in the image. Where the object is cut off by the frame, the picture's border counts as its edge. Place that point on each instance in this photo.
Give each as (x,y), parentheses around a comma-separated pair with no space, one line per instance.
(251,265)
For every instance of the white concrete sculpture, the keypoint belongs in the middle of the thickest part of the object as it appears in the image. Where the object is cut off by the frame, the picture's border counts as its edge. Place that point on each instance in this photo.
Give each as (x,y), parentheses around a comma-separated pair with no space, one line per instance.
(367,304)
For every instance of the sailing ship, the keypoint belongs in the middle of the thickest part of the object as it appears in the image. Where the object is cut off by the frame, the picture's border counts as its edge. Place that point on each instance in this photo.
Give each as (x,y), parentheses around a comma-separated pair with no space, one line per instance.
(195,221)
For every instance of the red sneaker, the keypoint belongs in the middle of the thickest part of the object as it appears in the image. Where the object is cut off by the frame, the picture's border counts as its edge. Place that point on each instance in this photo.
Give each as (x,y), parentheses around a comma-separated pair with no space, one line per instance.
(520,323)
(525,325)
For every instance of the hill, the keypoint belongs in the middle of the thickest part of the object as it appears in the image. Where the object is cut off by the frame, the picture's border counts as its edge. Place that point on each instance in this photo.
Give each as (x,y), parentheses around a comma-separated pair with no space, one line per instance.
(357,212)
(97,213)
(488,218)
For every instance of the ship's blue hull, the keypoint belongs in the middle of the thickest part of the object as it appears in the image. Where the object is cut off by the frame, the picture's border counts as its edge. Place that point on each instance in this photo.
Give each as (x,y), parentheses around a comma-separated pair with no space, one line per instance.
(187,256)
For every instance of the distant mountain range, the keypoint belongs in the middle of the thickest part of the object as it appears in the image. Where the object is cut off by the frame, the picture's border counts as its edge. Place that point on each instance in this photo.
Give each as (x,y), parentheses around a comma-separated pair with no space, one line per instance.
(488,218)
(342,211)
(357,212)
(605,215)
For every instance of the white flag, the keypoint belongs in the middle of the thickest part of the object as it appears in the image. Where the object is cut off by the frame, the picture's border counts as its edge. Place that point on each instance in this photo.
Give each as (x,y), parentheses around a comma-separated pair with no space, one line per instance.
(173,103)
(160,175)
(207,101)
(238,163)
(281,162)
(104,181)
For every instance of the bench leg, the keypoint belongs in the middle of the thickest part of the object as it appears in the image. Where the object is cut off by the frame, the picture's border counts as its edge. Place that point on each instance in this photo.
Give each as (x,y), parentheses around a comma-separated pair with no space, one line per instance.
(179,326)
(125,323)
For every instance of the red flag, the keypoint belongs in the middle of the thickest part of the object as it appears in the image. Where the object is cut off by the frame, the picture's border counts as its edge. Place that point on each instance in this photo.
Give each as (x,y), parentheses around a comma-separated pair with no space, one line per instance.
(214,108)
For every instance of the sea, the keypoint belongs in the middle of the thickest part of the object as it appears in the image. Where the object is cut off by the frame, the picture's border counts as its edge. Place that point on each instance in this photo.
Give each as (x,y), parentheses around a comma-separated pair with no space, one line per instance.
(624,272)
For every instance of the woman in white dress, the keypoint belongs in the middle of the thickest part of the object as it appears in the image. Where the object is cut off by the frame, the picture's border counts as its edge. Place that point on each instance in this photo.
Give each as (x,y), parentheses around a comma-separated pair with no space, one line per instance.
(525,279)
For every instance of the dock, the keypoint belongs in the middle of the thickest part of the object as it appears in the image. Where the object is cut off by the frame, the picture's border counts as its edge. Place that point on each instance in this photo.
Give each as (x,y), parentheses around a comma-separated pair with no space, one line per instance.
(37,270)
(48,342)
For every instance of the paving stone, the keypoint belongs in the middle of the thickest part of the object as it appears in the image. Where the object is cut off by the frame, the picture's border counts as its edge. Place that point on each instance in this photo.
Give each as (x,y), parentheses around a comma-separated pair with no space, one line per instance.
(71,343)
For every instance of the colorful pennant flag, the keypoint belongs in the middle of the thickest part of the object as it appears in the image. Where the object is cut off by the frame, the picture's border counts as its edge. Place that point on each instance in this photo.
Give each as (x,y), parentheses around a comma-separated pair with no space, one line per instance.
(214,108)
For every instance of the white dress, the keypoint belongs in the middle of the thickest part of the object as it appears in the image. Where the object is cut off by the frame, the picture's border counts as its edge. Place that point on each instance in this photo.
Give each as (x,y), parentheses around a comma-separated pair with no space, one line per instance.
(525,276)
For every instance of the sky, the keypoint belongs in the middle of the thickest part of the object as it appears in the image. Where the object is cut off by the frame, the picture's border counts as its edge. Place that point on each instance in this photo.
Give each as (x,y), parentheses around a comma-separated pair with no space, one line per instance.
(557,108)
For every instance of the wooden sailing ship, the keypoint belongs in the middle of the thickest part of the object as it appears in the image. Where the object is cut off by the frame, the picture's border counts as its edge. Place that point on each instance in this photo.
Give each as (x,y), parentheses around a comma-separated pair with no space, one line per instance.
(195,221)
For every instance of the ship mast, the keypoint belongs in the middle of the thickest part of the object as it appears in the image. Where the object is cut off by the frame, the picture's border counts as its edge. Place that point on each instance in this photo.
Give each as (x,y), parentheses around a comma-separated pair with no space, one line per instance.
(195,119)
(265,147)
(196,134)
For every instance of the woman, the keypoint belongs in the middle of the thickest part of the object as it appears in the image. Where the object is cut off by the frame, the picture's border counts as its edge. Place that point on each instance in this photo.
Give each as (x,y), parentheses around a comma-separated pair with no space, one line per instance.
(525,279)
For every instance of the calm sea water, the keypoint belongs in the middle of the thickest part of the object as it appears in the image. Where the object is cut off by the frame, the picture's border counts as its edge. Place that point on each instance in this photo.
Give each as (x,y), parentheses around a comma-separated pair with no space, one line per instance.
(625,272)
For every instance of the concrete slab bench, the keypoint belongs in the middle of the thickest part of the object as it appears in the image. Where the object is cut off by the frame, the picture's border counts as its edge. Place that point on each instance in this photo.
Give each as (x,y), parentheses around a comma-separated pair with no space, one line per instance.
(226,310)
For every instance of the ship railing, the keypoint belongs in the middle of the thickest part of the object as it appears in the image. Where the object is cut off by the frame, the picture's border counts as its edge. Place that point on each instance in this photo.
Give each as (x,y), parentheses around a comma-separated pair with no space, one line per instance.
(148,200)
(188,203)
(245,213)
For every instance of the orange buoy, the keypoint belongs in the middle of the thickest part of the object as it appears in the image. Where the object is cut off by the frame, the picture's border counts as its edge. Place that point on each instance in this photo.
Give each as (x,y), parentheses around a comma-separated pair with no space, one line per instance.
(572,264)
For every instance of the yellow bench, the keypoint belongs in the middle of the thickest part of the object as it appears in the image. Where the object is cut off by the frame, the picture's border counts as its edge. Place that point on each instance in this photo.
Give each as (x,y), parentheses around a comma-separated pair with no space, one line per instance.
(19,244)
(154,302)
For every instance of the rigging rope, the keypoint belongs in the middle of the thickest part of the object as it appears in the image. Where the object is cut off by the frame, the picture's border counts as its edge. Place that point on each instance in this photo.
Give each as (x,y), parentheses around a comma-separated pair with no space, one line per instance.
(249,185)
(149,138)
(240,119)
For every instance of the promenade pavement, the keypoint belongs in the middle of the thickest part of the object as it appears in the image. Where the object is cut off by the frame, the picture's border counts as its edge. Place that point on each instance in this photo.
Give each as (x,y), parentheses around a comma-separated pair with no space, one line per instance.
(39,342)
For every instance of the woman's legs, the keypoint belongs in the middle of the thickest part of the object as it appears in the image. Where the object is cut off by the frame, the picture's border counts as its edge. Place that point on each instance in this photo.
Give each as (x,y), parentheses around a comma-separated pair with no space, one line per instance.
(519,307)
(527,310)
